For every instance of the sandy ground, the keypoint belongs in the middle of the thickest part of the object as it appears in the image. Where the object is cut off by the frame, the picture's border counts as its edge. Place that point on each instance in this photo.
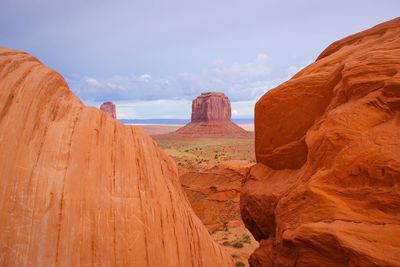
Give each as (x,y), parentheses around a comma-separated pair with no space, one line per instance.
(165,129)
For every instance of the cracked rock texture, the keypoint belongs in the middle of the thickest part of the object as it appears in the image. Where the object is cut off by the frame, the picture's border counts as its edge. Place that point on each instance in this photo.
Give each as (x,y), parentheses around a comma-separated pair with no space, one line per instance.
(77,188)
(326,188)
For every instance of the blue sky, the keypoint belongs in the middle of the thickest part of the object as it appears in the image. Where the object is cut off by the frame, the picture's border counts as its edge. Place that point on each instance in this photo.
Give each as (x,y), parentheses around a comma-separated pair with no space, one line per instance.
(153,57)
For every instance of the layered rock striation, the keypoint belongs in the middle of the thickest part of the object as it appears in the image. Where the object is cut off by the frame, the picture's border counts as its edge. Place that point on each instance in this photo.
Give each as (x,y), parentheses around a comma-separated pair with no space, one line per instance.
(211,106)
(77,188)
(109,108)
(211,116)
(326,188)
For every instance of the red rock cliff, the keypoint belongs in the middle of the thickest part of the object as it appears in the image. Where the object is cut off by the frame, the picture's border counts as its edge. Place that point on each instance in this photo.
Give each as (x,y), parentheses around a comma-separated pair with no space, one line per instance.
(326,189)
(109,108)
(211,106)
(77,188)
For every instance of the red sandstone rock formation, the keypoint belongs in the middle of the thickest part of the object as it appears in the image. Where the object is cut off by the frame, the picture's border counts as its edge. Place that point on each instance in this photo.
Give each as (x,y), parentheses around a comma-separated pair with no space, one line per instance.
(211,116)
(211,106)
(78,188)
(326,189)
(109,108)
(214,193)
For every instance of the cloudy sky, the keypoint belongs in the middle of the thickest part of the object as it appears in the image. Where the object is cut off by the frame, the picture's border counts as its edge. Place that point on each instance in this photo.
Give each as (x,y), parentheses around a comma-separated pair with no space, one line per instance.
(153,57)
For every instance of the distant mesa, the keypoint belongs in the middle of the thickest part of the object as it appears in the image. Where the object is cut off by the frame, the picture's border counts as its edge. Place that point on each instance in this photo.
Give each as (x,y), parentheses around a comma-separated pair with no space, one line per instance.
(211,115)
(109,108)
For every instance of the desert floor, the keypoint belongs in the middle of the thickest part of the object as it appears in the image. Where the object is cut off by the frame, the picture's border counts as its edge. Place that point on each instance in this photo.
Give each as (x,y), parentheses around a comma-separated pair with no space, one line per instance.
(165,129)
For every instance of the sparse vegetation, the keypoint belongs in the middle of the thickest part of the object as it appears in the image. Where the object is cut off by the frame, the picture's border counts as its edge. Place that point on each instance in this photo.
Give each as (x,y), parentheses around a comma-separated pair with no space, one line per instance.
(239,264)
(236,244)
(246,238)
(238,241)
(226,243)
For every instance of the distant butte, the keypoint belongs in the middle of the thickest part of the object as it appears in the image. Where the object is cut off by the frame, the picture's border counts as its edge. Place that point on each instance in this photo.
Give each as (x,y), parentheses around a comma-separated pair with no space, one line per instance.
(211,116)
(109,108)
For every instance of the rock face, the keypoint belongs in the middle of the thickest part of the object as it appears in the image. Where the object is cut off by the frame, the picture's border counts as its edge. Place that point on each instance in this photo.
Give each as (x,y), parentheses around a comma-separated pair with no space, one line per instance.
(109,108)
(211,116)
(211,106)
(326,188)
(78,188)
(214,193)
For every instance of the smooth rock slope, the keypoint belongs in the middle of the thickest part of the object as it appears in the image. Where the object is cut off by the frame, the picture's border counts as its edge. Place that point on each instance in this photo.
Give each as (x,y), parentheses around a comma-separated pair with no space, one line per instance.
(326,189)
(77,188)
(211,116)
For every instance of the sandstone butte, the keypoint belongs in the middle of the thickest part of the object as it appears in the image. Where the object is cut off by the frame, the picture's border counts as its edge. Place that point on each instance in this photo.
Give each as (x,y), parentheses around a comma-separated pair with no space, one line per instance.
(326,188)
(211,116)
(77,188)
(109,108)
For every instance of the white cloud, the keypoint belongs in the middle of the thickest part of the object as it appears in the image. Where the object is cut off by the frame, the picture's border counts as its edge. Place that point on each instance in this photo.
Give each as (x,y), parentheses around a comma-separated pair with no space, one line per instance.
(292,70)
(92,81)
(262,57)
(166,109)
(256,68)
(145,76)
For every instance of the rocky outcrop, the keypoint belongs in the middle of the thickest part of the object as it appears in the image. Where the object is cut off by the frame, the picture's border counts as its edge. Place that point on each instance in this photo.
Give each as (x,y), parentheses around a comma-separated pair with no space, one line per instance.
(109,108)
(211,106)
(214,193)
(326,188)
(78,188)
(211,116)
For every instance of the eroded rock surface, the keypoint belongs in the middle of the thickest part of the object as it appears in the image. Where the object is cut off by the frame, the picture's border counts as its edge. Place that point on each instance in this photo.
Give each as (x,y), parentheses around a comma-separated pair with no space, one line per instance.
(109,108)
(211,106)
(211,116)
(326,188)
(214,193)
(77,188)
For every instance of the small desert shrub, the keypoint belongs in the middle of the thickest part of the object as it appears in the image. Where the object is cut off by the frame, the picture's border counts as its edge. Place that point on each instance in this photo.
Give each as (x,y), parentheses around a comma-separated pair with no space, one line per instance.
(226,243)
(246,238)
(240,264)
(236,244)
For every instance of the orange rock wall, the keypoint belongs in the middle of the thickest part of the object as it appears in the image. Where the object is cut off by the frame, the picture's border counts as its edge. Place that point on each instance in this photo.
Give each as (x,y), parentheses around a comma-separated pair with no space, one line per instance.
(326,189)
(77,188)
